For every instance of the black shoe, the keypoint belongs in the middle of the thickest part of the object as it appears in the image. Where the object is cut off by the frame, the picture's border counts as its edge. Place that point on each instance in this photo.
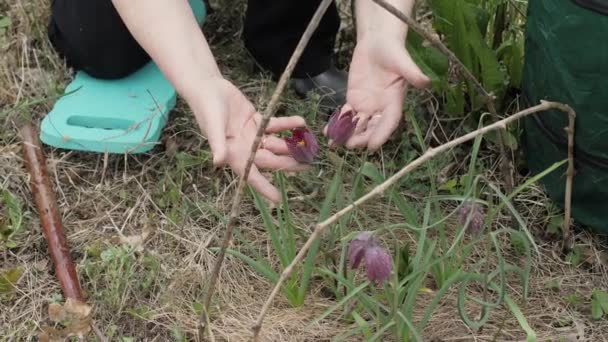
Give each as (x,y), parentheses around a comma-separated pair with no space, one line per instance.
(330,85)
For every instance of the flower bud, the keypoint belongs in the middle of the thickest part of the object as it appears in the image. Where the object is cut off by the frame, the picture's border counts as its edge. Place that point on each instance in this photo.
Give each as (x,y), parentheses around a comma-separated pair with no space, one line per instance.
(302,145)
(476,220)
(341,127)
(378,261)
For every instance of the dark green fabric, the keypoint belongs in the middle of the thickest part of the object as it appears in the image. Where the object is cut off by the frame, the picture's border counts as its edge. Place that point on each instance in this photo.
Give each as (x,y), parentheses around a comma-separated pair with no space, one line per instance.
(567,61)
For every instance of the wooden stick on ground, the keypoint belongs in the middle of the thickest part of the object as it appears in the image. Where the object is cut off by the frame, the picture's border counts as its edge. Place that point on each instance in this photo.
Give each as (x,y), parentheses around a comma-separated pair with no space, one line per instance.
(236,203)
(381,188)
(50,220)
(52,227)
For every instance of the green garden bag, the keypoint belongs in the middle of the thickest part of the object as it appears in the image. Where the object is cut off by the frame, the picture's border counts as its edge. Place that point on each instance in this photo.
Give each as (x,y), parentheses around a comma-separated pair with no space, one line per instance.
(566,60)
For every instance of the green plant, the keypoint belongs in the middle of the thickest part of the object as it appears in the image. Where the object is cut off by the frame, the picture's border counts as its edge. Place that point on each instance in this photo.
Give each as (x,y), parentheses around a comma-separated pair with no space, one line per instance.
(599,304)
(284,239)
(11,219)
(377,311)
(487,37)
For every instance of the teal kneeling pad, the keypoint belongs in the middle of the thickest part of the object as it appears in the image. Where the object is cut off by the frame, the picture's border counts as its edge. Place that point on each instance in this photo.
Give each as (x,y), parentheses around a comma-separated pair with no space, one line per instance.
(124,115)
(115,116)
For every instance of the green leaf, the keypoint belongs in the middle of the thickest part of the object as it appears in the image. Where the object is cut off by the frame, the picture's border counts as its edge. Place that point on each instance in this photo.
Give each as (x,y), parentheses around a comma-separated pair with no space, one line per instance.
(309,263)
(341,303)
(363,325)
(555,225)
(142,312)
(521,319)
(9,278)
(601,298)
(449,186)
(261,268)
(13,212)
(197,307)
(277,244)
(596,310)
(5,22)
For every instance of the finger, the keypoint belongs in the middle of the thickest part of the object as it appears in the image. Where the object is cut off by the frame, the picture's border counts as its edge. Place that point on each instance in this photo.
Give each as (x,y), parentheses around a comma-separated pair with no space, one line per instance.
(275,145)
(358,140)
(215,131)
(262,185)
(408,69)
(265,159)
(284,123)
(362,123)
(385,127)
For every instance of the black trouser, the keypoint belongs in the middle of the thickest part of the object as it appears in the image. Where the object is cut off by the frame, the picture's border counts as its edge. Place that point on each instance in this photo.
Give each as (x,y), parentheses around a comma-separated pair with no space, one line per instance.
(91,36)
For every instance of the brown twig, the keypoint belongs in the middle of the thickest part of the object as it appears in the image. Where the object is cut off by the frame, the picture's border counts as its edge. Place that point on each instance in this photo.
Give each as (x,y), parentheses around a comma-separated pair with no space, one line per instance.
(52,227)
(488,98)
(569,178)
(46,203)
(98,332)
(270,110)
(381,188)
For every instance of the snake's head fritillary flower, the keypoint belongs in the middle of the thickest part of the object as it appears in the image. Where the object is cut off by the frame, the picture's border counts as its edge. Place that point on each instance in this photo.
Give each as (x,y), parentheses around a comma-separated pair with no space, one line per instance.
(302,145)
(378,261)
(476,220)
(341,127)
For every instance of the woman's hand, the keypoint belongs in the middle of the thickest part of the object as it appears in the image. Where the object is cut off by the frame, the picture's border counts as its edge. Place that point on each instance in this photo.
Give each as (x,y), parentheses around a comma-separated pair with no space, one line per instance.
(230,123)
(380,72)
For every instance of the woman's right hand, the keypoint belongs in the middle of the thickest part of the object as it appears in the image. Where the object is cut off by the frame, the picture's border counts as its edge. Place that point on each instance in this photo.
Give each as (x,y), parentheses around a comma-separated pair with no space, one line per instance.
(230,123)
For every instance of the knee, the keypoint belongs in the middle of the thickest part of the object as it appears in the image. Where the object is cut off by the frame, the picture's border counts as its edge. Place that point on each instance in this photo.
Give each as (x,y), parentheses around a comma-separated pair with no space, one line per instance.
(91,37)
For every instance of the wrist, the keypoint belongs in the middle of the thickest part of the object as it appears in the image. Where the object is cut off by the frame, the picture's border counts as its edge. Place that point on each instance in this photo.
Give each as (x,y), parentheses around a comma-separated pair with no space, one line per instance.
(196,87)
(375,22)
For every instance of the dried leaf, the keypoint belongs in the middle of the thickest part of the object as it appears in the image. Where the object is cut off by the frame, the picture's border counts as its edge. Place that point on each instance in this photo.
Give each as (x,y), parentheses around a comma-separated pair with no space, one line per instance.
(134,241)
(171,147)
(77,308)
(56,312)
(74,315)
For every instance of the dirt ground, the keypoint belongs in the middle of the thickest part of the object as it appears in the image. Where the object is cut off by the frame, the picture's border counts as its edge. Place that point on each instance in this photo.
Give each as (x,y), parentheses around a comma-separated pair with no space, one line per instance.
(175,197)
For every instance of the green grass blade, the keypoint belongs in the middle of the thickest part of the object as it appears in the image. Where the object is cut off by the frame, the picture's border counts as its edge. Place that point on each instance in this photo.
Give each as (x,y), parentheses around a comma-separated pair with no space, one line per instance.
(262,268)
(335,307)
(410,326)
(521,319)
(309,263)
(288,237)
(270,227)
(520,221)
(382,330)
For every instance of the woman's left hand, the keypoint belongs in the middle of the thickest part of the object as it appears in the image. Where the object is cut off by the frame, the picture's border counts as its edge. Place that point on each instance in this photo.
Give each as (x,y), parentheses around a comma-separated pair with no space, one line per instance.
(380,72)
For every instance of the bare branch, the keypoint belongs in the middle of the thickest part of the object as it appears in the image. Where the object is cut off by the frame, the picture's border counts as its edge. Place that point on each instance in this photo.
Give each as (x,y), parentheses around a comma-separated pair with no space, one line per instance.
(569,179)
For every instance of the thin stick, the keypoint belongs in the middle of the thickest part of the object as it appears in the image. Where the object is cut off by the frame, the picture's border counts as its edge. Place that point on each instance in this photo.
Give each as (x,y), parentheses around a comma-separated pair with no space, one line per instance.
(488,98)
(270,110)
(98,332)
(569,179)
(429,154)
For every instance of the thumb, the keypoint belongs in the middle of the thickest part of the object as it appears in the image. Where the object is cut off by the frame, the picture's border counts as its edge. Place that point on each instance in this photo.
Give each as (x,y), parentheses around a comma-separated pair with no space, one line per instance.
(215,131)
(412,74)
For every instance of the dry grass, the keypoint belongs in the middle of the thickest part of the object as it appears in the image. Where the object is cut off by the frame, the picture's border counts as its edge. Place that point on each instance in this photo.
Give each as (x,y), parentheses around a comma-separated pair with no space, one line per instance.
(151,294)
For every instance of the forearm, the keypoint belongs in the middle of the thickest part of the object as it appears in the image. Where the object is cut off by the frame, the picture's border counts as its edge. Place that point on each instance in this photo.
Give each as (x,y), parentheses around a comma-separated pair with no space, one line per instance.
(373,19)
(167,30)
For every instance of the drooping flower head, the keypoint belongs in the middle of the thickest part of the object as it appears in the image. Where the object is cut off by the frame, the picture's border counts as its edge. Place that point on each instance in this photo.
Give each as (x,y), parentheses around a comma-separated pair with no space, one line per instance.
(378,261)
(476,220)
(302,145)
(341,127)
